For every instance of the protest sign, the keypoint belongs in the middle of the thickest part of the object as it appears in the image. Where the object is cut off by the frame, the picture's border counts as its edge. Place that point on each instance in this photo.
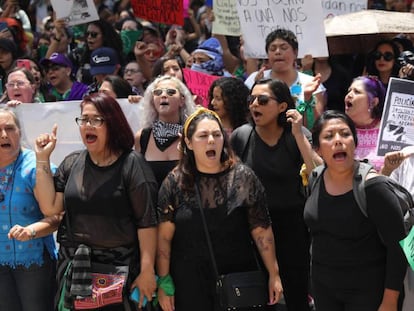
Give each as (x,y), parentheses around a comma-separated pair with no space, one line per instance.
(199,83)
(75,12)
(407,245)
(397,122)
(226,20)
(163,11)
(37,119)
(332,8)
(303,18)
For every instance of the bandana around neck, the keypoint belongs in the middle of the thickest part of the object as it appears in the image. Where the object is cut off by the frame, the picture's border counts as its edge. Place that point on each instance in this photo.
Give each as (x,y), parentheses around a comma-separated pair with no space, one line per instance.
(165,133)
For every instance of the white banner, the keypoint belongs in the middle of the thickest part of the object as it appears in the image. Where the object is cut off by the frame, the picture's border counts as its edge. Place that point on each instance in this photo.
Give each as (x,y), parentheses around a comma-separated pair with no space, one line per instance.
(36,119)
(226,20)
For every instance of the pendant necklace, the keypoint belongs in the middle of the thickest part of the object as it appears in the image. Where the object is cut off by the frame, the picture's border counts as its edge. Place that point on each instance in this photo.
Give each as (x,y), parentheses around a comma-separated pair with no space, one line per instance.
(5,177)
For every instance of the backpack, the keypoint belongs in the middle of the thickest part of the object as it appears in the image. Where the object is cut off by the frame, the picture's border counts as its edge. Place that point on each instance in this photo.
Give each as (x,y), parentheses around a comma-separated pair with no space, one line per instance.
(361,170)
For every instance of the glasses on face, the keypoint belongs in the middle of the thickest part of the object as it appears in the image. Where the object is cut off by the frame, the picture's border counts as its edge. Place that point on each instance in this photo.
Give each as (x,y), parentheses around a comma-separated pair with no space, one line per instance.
(170,92)
(388,56)
(53,68)
(131,71)
(153,53)
(93,34)
(261,99)
(95,122)
(13,84)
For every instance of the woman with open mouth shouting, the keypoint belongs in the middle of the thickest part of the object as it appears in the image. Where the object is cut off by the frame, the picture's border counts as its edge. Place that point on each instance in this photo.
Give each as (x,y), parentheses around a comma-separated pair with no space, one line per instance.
(275,147)
(209,180)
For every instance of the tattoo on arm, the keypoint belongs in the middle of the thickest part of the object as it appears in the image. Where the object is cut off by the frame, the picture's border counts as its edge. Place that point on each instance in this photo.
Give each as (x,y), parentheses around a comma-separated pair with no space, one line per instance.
(163,254)
(263,243)
(46,169)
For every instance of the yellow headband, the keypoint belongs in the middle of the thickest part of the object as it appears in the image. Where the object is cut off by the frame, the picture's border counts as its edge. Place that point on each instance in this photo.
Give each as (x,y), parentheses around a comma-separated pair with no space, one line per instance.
(195,114)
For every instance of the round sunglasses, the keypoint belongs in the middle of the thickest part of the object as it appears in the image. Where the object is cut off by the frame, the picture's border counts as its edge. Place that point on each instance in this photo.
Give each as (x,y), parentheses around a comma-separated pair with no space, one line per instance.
(388,56)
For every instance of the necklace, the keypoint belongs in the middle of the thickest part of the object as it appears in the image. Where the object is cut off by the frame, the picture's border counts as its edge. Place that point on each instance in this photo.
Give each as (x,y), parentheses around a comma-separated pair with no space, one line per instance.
(108,162)
(6,174)
(371,125)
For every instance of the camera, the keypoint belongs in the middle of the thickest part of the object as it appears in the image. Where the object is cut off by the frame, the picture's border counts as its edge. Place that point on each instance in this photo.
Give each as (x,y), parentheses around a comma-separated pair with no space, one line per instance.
(406,57)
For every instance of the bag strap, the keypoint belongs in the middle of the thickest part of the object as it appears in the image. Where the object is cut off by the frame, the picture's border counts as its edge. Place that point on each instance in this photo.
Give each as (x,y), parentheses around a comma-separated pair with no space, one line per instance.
(203,219)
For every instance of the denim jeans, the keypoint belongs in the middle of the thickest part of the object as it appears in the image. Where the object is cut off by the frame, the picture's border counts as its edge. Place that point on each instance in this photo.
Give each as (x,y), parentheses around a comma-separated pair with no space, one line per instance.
(28,289)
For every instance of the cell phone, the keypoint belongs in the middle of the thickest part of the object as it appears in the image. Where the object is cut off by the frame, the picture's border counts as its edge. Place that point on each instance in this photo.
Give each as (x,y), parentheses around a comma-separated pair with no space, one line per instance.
(23,63)
(135,297)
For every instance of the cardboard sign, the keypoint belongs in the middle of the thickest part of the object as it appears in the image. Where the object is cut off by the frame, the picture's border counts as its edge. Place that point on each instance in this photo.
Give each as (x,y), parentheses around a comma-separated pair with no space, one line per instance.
(397,122)
(226,20)
(75,12)
(303,18)
(163,11)
(332,8)
(199,83)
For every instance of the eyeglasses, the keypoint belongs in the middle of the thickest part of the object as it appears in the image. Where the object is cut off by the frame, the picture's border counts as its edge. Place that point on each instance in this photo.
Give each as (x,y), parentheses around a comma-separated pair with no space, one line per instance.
(261,99)
(93,34)
(53,68)
(95,122)
(170,92)
(388,56)
(132,71)
(153,53)
(13,84)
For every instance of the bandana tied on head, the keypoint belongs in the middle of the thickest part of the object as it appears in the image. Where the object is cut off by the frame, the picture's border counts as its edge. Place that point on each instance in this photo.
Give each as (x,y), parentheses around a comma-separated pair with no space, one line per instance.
(165,133)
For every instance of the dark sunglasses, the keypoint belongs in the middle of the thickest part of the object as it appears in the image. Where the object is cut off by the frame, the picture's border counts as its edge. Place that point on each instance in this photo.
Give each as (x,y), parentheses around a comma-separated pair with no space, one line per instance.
(388,56)
(93,34)
(261,99)
(170,92)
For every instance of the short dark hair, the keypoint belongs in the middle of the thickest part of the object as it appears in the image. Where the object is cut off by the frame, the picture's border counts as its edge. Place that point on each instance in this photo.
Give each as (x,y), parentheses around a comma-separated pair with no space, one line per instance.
(120,135)
(325,117)
(283,34)
(120,86)
(281,92)
(234,93)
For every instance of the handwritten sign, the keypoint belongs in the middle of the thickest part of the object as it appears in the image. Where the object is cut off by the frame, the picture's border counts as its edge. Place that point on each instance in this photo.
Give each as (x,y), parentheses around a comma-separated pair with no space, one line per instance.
(303,18)
(75,12)
(162,11)
(334,7)
(199,83)
(397,122)
(407,245)
(226,21)
(40,118)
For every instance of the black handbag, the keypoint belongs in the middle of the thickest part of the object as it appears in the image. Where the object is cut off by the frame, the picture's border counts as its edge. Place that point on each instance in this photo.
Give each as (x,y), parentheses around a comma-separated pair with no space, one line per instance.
(240,289)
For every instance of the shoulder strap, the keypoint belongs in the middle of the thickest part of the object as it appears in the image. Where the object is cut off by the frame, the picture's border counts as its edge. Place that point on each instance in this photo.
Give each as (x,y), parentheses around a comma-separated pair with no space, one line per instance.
(243,135)
(144,139)
(361,170)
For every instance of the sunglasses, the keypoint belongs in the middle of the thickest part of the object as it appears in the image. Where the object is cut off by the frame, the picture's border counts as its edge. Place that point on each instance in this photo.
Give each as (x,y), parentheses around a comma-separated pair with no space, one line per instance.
(170,92)
(93,34)
(388,56)
(261,99)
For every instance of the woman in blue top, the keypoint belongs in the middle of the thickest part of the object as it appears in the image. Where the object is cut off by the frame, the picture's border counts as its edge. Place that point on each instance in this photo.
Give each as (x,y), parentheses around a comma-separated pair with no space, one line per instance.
(28,252)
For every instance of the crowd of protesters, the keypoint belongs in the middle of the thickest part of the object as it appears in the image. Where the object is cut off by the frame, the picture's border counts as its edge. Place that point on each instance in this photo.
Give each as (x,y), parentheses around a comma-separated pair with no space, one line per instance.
(260,112)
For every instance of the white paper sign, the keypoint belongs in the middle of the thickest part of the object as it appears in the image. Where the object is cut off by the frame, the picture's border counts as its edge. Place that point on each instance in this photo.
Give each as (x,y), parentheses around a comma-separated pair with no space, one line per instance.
(36,119)
(75,12)
(397,122)
(334,7)
(303,18)
(226,20)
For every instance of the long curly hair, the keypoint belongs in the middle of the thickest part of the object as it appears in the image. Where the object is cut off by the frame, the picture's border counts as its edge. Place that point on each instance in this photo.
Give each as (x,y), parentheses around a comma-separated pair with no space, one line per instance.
(234,93)
(149,114)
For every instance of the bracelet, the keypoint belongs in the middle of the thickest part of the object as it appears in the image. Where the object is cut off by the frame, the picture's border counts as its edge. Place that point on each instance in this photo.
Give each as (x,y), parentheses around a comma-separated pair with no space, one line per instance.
(32,233)
(166,284)
(39,161)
